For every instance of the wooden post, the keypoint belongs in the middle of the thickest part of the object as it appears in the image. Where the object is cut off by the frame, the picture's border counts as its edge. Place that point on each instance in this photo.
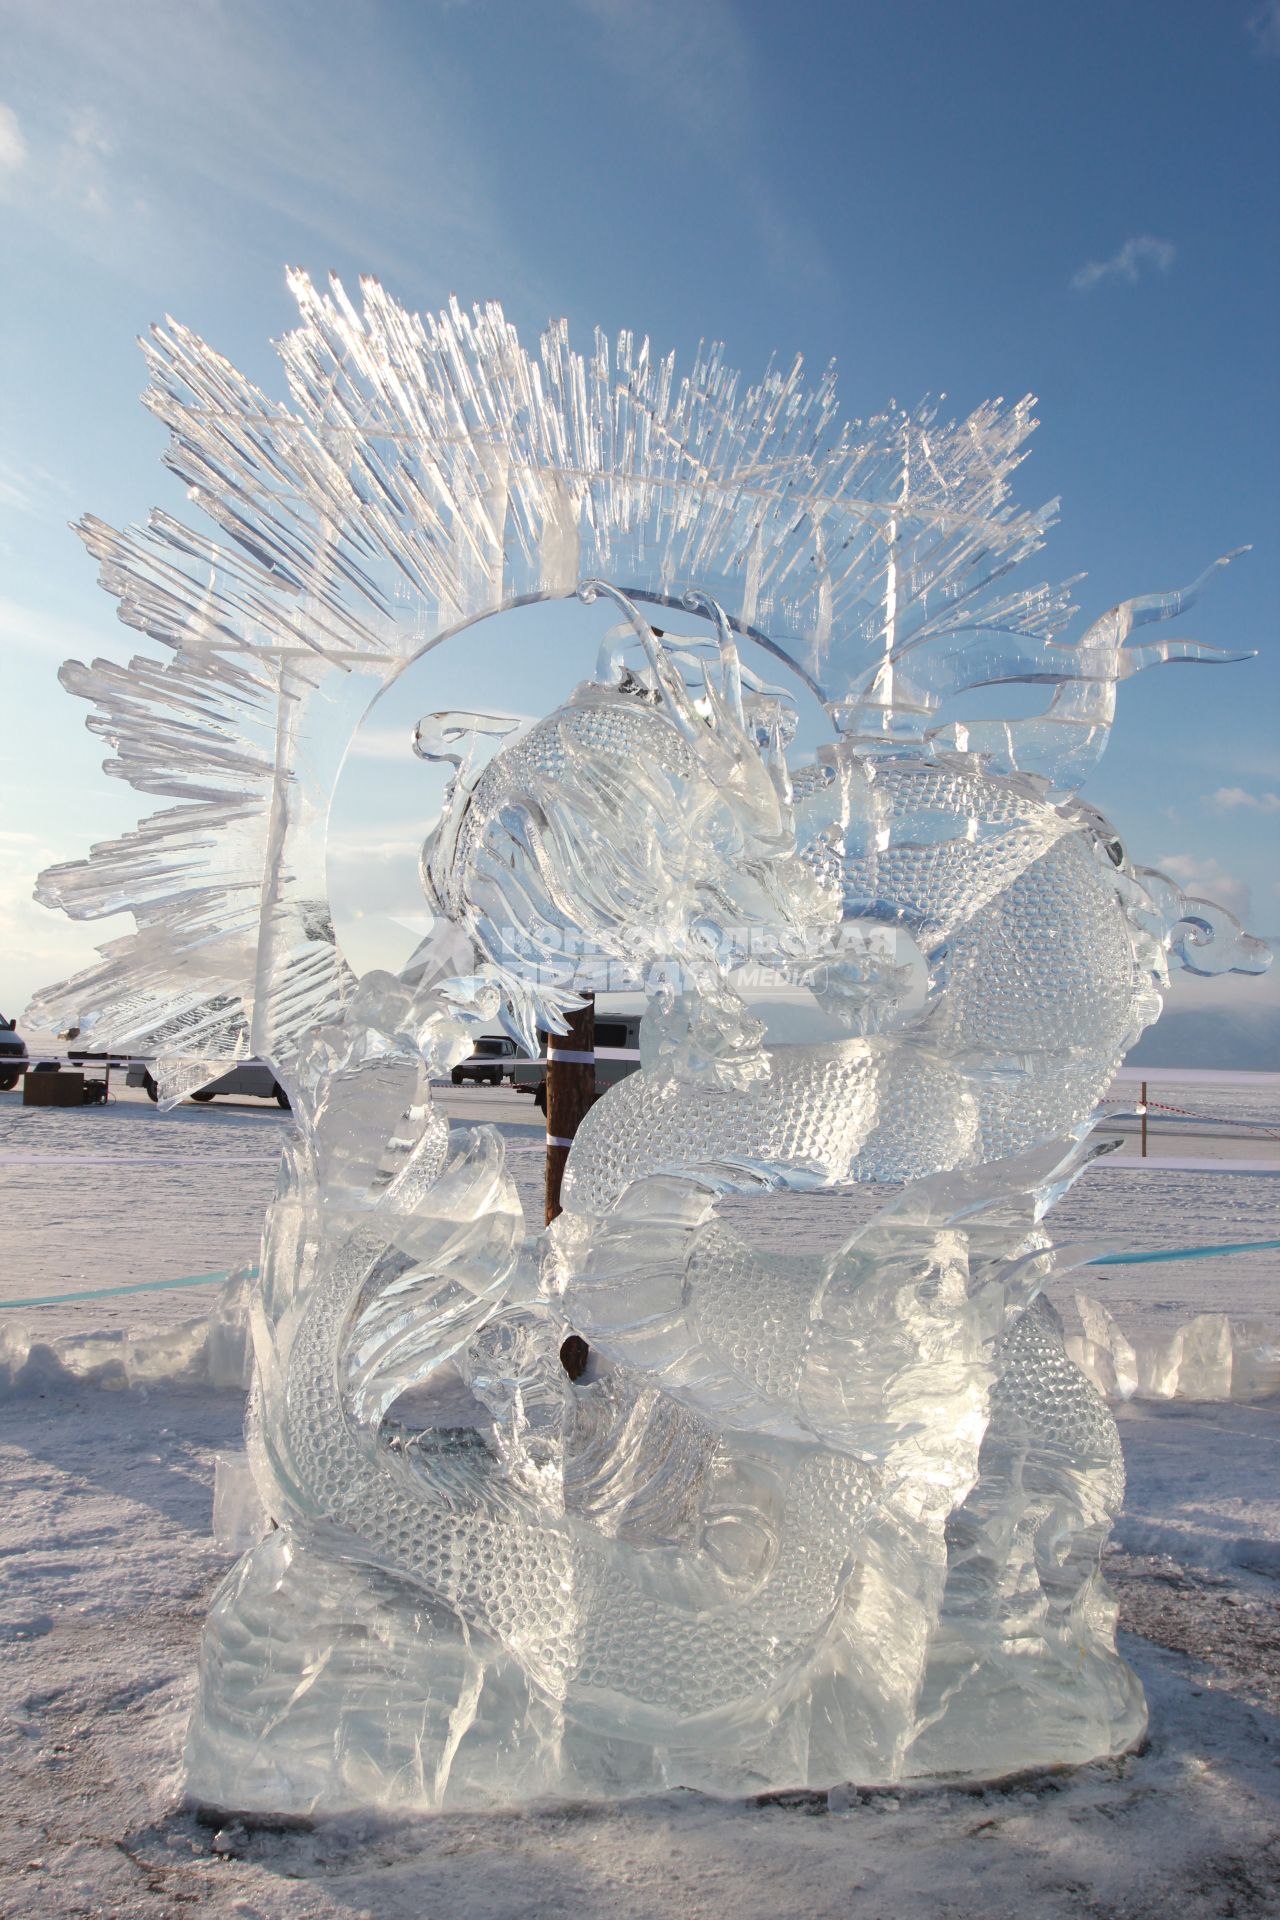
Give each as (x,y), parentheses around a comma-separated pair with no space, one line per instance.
(1144,1120)
(571,1088)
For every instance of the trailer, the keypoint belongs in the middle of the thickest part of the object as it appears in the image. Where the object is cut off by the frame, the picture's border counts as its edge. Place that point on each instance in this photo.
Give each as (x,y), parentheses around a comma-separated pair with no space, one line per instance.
(617,1053)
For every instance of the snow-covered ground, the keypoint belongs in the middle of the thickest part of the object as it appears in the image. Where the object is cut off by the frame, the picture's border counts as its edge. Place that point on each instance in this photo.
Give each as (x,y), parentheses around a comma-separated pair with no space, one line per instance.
(107,1565)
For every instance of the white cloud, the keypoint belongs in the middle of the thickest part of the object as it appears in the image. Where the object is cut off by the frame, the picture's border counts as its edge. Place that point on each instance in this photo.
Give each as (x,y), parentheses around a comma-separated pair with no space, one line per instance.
(355,849)
(175,125)
(1205,879)
(1263,28)
(13,147)
(714,93)
(63,165)
(31,489)
(383,743)
(15,495)
(1249,763)
(72,161)
(396,743)
(41,946)
(80,165)
(1226,799)
(49,633)
(1135,257)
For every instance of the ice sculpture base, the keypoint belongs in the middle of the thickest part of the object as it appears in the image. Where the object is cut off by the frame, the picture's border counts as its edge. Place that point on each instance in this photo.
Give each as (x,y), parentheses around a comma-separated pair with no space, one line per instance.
(328,1688)
(325,1689)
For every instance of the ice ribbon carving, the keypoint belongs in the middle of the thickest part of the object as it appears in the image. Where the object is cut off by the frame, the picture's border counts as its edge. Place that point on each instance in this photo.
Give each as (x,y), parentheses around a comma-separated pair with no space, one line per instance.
(809,1516)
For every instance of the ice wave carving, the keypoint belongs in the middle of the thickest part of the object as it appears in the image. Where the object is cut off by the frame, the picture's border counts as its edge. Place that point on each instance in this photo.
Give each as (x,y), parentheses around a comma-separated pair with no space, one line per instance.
(808,1517)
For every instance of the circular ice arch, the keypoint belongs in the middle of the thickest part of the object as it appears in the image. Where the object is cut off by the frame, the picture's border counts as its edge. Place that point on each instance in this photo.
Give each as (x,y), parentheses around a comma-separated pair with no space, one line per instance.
(510,667)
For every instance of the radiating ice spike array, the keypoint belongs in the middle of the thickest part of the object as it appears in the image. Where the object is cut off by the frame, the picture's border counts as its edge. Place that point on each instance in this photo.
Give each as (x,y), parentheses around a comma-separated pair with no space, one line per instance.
(430,470)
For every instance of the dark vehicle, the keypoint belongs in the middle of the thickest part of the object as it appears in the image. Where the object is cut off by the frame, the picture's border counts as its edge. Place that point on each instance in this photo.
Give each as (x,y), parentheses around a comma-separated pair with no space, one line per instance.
(492,1062)
(13,1056)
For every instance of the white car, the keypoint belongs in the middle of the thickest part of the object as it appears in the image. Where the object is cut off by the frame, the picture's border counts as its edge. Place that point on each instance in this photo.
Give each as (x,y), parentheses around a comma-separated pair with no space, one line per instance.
(252,1077)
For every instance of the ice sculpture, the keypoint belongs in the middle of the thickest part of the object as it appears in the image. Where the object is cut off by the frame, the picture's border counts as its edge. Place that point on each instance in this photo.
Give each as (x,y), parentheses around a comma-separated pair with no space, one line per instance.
(807,1517)
(1210,1357)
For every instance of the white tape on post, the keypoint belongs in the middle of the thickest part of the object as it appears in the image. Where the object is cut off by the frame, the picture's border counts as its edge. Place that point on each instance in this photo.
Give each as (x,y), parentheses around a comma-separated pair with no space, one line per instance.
(570,1058)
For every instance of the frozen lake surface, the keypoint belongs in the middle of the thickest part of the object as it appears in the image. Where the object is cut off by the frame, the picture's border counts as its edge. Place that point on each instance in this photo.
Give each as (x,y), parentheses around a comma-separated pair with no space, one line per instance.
(108,1566)
(97,1196)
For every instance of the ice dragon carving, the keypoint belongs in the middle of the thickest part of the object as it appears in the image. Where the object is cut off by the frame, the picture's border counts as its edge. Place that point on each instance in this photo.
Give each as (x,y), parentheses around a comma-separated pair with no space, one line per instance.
(810,1516)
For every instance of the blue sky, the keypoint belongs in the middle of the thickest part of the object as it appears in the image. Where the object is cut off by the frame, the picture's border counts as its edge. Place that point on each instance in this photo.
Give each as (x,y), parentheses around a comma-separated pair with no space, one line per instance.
(971,199)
